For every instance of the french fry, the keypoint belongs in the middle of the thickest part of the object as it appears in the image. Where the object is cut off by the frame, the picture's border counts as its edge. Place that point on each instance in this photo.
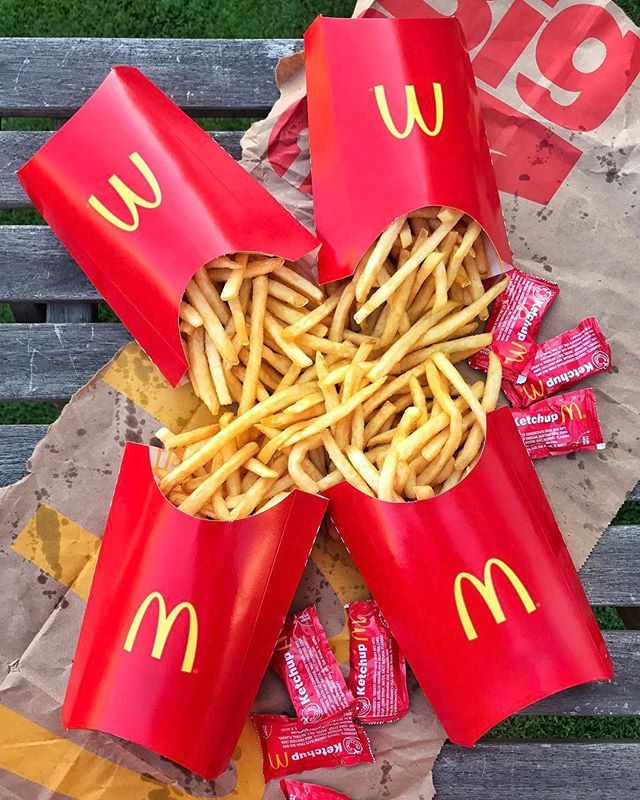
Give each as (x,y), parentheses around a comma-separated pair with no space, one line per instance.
(344,409)
(286,294)
(307,321)
(299,283)
(342,464)
(376,259)
(456,379)
(211,323)
(297,457)
(199,497)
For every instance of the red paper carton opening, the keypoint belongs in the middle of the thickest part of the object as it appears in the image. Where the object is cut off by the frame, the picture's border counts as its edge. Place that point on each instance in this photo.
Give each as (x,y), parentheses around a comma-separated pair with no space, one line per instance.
(478,588)
(394,125)
(182,619)
(141,197)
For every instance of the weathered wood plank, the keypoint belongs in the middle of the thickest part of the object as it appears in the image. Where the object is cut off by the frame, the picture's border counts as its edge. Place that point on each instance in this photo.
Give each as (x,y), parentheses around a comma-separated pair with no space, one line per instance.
(34,266)
(17,443)
(618,698)
(611,574)
(72,312)
(51,361)
(53,77)
(16,147)
(521,770)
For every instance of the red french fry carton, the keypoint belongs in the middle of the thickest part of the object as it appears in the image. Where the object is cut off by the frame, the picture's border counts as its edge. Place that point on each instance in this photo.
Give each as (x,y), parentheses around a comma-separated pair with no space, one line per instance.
(394,125)
(182,619)
(141,197)
(478,588)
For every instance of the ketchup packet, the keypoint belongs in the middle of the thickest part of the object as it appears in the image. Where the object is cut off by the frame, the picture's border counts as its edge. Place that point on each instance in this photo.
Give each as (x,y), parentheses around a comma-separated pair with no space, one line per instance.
(287,746)
(304,660)
(297,790)
(515,321)
(561,424)
(378,676)
(562,362)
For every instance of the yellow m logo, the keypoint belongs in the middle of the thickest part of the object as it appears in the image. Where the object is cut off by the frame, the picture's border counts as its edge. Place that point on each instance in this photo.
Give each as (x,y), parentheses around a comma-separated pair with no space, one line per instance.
(532,391)
(129,197)
(516,353)
(163,628)
(414,114)
(277,762)
(487,591)
(569,411)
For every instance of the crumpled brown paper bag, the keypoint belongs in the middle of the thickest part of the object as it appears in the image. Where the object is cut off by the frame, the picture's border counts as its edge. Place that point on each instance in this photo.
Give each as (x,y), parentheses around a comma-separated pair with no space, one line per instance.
(50,522)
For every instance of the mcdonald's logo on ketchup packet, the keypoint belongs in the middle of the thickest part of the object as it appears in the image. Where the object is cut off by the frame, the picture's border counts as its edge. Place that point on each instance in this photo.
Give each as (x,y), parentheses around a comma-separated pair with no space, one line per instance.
(478,588)
(182,619)
(288,746)
(394,125)
(141,197)
(378,676)
(564,423)
(304,660)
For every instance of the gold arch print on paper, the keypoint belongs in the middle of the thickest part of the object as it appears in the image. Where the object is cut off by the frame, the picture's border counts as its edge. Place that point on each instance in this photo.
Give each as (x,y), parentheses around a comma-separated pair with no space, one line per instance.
(37,755)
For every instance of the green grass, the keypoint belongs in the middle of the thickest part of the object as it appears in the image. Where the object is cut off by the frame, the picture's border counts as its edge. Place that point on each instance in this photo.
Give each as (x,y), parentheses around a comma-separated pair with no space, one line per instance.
(239,19)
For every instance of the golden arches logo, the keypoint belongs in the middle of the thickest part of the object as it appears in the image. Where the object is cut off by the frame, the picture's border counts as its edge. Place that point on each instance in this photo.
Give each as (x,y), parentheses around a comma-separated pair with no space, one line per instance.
(280,760)
(533,391)
(487,591)
(163,628)
(131,200)
(516,354)
(359,629)
(414,114)
(568,410)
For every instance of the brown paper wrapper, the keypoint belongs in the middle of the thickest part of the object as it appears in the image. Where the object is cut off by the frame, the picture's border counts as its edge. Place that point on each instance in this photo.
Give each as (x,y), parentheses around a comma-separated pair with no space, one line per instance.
(50,522)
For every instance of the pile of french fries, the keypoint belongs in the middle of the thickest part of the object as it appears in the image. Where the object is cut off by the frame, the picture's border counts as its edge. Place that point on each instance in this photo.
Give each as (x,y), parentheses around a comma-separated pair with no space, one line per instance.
(354,381)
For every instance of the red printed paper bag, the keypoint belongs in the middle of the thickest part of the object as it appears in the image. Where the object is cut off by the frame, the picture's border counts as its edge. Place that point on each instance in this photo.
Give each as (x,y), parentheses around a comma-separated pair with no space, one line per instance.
(182,619)
(478,588)
(141,197)
(394,125)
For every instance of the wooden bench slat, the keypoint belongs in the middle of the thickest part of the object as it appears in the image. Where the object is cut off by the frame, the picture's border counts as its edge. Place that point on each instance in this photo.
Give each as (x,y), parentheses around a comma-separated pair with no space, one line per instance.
(529,770)
(35,267)
(618,698)
(16,147)
(611,578)
(52,361)
(53,77)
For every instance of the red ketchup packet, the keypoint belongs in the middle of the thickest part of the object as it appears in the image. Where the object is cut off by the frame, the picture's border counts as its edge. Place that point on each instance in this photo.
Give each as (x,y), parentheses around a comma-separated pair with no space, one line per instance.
(562,362)
(564,423)
(288,746)
(304,660)
(297,790)
(515,321)
(378,676)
